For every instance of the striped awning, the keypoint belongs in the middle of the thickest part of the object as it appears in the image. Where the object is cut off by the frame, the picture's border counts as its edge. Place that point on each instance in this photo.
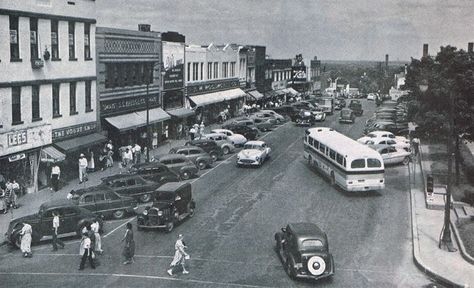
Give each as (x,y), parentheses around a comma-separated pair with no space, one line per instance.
(81,142)
(216,97)
(51,154)
(255,94)
(137,119)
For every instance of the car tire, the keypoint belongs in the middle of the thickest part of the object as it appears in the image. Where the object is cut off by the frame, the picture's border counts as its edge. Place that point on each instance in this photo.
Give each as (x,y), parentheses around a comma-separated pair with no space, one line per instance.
(406,160)
(290,268)
(225,150)
(118,214)
(213,156)
(145,198)
(185,175)
(201,165)
(190,210)
(169,226)
(17,240)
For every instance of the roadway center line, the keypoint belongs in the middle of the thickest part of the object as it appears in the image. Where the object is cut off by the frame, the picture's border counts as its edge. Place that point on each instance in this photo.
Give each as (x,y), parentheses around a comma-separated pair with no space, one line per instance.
(120,226)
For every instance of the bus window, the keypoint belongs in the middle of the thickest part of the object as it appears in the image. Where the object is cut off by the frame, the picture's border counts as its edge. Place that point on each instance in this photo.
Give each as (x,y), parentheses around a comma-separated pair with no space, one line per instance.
(316,144)
(332,154)
(358,163)
(373,163)
(322,148)
(340,159)
(310,141)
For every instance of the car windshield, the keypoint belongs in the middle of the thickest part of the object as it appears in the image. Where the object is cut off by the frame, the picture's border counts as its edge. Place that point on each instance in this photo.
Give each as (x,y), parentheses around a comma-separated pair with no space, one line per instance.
(253,146)
(164,196)
(345,112)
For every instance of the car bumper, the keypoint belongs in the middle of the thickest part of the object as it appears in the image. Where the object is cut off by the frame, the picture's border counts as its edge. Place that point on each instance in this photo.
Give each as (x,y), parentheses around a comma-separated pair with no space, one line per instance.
(303,274)
(247,162)
(343,120)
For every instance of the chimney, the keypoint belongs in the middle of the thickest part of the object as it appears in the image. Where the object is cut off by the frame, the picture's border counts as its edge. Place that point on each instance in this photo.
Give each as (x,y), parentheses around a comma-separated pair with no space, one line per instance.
(425,50)
(470,46)
(144,27)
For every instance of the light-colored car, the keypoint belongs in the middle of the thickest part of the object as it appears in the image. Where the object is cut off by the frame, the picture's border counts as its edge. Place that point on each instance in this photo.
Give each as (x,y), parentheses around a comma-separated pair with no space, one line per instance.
(382,134)
(394,155)
(279,118)
(253,154)
(222,141)
(318,114)
(371,96)
(264,124)
(265,116)
(378,142)
(198,156)
(235,138)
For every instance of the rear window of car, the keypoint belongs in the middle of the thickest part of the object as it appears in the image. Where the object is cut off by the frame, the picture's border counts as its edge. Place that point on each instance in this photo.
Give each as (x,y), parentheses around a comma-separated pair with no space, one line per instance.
(312,243)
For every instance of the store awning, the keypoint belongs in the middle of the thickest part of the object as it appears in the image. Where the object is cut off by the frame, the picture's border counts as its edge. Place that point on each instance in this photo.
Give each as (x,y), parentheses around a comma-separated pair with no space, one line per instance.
(272,93)
(286,91)
(51,154)
(180,112)
(293,91)
(216,97)
(280,92)
(255,94)
(82,142)
(134,120)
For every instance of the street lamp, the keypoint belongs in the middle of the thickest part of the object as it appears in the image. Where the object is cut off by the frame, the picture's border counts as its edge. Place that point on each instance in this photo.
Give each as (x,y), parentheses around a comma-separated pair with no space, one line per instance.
(148,80)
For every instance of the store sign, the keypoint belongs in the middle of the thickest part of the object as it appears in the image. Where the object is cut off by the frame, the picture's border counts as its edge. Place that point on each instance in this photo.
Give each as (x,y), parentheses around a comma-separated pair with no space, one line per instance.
(298,73)
(173,65)
(212,86)
(128,104)
(17,141)
(74,131)
(17,138)
(16,157)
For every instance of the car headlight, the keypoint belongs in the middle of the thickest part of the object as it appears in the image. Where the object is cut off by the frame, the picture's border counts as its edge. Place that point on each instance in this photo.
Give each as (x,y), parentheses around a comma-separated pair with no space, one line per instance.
(145,212)
(257,158)
(160,213)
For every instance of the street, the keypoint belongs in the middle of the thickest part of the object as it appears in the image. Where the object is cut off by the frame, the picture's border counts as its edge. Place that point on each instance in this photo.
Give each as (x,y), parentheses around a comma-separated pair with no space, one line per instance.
(231,236)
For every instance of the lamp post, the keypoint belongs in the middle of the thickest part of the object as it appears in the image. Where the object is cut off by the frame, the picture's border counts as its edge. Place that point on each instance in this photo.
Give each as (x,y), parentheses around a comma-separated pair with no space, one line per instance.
(148,146)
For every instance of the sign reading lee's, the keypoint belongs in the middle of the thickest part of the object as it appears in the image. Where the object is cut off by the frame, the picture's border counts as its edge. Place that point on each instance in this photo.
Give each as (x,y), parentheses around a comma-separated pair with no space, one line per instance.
(73,131)
(17,138)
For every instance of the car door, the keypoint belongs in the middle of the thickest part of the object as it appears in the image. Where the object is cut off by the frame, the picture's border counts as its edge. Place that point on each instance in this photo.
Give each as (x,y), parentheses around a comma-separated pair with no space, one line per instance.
(87,201)
(70,217)
(195,153)
(119,186)
(101,204)
(180,201)
(394,155)
(385,156)
(46,223)
(112,201)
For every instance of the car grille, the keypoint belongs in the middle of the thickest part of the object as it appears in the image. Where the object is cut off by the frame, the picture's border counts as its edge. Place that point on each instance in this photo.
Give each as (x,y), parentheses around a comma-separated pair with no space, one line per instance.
(246,161)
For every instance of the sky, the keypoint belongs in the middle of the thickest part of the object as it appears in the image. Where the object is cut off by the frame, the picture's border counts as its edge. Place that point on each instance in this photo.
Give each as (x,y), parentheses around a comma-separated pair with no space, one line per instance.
(328,29)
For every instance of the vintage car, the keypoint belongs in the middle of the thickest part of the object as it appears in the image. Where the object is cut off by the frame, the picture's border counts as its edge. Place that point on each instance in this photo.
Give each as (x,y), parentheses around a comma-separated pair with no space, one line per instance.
(250,133)
(356,106)
(103,201)
(279,118)
(178,163)
(154,171)
(199,157)
(378,142)
(73,219)
(382,134)
(172,204)
(265,116)
(222,140)
(254,153)
(263,124)
(208,145)
(304,118)
(236,138)
(394,155)
(303,249)
(286,111)
(318,114)
(346,116)
(132,185)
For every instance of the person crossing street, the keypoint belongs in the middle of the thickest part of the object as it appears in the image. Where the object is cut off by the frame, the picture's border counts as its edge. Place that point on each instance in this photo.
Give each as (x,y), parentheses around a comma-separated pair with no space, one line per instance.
(56,241)
(179,256)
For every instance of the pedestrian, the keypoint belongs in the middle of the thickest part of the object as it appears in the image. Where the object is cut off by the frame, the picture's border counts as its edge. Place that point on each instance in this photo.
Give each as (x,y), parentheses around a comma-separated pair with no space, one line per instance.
(109,145)
(201,129)
(137,152)
(7,196)
(82,168)
(2,181)
(3,207)
(55,175)
(110,159)
(128,156)
(15,193)
(103,159)
(129,248)
(56,241)
(416,145)
(25,246)
(179,256)
(192,133)
(91,163)
(85,252)
(98,240)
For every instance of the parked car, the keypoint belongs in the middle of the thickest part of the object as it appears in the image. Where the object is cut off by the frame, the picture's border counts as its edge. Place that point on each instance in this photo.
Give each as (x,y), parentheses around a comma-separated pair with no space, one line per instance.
(178,163)
(103,201)
(356,106)
(382,134)
(236,138)
(346,116)
(244,121)
(318,114)
(208,145)
(73,220)
(371,96)
(304,251)
(286,110)
(304,118)
(254,153)
(265,116)
(132,185)
(172,204)
(198,156)
(154,171)
(250,133)
(377,142)
(263,124)
(279,118)
(394,155)
(222,141)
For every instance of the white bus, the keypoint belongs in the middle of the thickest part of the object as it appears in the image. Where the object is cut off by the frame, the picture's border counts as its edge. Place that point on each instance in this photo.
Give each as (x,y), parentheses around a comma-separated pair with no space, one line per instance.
(348,163)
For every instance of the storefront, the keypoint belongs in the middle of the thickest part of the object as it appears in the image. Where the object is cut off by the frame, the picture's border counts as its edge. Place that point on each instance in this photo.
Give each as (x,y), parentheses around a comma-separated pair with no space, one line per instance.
(183,119)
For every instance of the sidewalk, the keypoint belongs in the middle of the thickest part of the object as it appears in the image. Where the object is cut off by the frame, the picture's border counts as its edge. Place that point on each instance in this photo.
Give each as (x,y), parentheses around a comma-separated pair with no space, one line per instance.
(30,203)
(448,267)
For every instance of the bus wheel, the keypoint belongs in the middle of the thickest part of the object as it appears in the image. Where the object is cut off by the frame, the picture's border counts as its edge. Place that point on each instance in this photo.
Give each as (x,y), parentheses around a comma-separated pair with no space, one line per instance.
(309,160)
(333,179)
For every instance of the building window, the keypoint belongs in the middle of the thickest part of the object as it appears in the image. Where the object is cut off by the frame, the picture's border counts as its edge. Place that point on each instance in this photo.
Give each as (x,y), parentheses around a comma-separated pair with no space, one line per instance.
(87,42)
(72,98)
(14,39)
(189,72)
(195,71)
(16,105)
(72,40)
(224,69)
(128,74)
(35,103)
(232,69)
(34,38)
(56,101)
(209,70)
(202,70)
(216,70)
(88,96)
(54,40)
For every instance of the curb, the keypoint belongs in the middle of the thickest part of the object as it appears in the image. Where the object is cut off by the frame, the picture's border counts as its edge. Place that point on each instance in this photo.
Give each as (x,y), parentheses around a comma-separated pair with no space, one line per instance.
(461,246)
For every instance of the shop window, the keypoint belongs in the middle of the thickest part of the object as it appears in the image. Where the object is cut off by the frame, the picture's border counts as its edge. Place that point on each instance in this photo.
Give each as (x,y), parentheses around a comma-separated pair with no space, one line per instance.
(34,38)
(56,109)
(72,41)
(87,44)
(35,103)
(88,96)
(54,40)
(14,39)
(16,106)
(72,98)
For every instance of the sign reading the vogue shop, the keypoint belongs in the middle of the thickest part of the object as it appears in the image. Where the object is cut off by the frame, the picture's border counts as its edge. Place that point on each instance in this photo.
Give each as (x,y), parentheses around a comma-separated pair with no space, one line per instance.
(212,86)
(173,65)
(109,107)
(73,131)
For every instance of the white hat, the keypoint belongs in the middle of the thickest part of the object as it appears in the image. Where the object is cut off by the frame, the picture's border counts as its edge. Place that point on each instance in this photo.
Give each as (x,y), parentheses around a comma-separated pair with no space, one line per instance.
(82,155)
(180,236)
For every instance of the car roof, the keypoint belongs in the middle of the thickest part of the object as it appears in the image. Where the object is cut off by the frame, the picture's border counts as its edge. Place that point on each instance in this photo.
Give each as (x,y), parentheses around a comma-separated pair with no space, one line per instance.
(93,189)
(307,230)
(162,157)
(255,142)
(346,110)
(215,134)
(148,165)
(120,176)
(172,186)
(57,204)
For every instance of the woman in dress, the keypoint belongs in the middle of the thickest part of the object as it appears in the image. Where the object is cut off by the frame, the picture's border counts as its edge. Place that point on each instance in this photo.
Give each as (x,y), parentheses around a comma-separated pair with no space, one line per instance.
(129,248)
(25,233)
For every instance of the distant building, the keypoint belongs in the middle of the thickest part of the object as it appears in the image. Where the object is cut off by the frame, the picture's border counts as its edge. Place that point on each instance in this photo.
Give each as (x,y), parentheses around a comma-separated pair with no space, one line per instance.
(314,75)
(278,72)
(351,91)
(299,77)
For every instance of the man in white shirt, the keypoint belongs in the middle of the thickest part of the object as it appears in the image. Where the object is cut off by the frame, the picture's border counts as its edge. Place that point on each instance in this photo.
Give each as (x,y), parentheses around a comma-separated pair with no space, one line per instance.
(82,168)
(98,241)
(55,175)
(86,252)
(137,152)
(56,241)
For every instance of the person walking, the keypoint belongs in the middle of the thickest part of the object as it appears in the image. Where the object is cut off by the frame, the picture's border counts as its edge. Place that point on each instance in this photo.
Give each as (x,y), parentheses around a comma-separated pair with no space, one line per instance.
(82,168)
(25,246)
(416,145)
(56,241)
(7,196)
(192,133)
(137,153)
(201,129)
(91,162)
(86,252)
(98,240)
(129,248)
(103,159)
(15,193)
(55,175)
(179,256)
